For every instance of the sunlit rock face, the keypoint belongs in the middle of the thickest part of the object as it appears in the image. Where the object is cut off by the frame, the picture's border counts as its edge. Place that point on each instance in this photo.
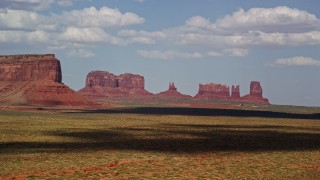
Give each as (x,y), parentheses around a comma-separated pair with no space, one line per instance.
(30,68)
(103,83)
(35,79)
(213,91)
(255,95)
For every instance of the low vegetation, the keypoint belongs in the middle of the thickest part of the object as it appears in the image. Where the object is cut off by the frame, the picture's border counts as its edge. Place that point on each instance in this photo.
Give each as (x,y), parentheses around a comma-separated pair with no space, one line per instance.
(127,144)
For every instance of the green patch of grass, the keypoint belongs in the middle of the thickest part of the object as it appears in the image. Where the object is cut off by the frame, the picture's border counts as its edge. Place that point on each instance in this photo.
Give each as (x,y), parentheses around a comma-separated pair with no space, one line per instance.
(107,145)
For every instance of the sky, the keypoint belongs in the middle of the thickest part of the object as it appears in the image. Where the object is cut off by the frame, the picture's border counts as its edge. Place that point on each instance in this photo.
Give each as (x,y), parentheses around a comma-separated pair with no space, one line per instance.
(276,42)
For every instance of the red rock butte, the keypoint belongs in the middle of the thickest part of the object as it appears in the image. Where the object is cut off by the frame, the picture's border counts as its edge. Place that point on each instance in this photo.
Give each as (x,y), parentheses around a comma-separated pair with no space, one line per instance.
(172,92)
(219,91)
(35,79)
(30,67)
(213,91)
(235,92)
(255,94)
(105,84)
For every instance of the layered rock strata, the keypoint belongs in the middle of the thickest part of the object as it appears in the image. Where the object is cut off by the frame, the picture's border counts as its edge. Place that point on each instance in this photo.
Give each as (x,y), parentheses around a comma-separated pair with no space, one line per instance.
(30,68)
(219,91)
(35,80)
(213,91)
(105,84)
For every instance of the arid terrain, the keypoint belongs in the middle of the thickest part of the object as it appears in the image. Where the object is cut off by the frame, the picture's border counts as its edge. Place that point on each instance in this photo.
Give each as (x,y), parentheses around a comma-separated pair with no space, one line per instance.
(159,143)
(114,128)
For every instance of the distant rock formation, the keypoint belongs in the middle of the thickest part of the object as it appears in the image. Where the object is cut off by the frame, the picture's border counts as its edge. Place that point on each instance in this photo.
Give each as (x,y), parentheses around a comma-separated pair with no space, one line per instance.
(35,80)
(235,92)
(30,68)
(255,95)
(172,92)
(220,91)
(105,84)
(213,91)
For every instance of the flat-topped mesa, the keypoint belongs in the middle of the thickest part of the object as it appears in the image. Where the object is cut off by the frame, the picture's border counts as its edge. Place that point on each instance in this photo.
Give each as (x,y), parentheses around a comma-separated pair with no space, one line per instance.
(130,81)
(35,79)
(172,92)
(103,83)
(213,91)
(108,80)
(255,95)
(30,67)
(101,79)
(235,92)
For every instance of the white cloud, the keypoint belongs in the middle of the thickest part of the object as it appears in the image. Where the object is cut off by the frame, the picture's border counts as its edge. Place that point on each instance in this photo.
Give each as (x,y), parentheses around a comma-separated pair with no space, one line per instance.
(81,53)
(232,35)
(142,37)
(168,55)
(236,52)
(237,33)
(280,19)
(295,61)
(20,19)
(71,29)
(87,35)
(200,22)
(173,55)
(104,17)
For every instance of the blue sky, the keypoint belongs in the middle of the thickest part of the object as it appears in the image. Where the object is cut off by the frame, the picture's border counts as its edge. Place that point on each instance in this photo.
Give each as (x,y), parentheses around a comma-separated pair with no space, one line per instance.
(187,42)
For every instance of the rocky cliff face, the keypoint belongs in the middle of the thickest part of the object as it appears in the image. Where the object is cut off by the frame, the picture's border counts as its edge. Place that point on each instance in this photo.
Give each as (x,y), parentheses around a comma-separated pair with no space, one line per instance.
(235,92)
(213,91)
(172,92)
(101,79)
(255,89)
(255,95)
(35,79)
(131,81)
(30,68)
(220,91)
(105,84)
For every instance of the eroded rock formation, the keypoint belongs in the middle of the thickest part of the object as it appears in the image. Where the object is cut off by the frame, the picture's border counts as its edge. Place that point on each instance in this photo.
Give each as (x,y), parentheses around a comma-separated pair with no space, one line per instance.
(235,92)
(36,80)
(30,68)
(105,84)
(172,92)
(213,91)
(255,95)
(219,91)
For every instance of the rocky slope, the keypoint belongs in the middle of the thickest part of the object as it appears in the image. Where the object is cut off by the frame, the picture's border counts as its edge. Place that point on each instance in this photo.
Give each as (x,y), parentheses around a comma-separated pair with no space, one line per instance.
(35,80)
(172,92)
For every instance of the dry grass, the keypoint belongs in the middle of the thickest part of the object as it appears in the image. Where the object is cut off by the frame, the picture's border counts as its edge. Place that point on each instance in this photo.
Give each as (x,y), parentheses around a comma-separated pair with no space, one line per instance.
(110,145)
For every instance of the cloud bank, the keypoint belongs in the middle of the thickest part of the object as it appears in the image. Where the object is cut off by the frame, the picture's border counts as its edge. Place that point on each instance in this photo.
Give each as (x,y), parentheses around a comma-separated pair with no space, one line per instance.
(235,35)
(296,61)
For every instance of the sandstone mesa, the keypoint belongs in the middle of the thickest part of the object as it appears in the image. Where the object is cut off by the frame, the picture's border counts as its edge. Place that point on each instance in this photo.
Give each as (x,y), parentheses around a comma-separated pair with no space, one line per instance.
(105,84)
(36,79)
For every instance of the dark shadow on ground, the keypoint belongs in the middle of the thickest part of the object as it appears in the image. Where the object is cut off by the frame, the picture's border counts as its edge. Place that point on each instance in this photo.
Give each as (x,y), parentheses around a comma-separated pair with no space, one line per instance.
(179,138)
(204,112)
